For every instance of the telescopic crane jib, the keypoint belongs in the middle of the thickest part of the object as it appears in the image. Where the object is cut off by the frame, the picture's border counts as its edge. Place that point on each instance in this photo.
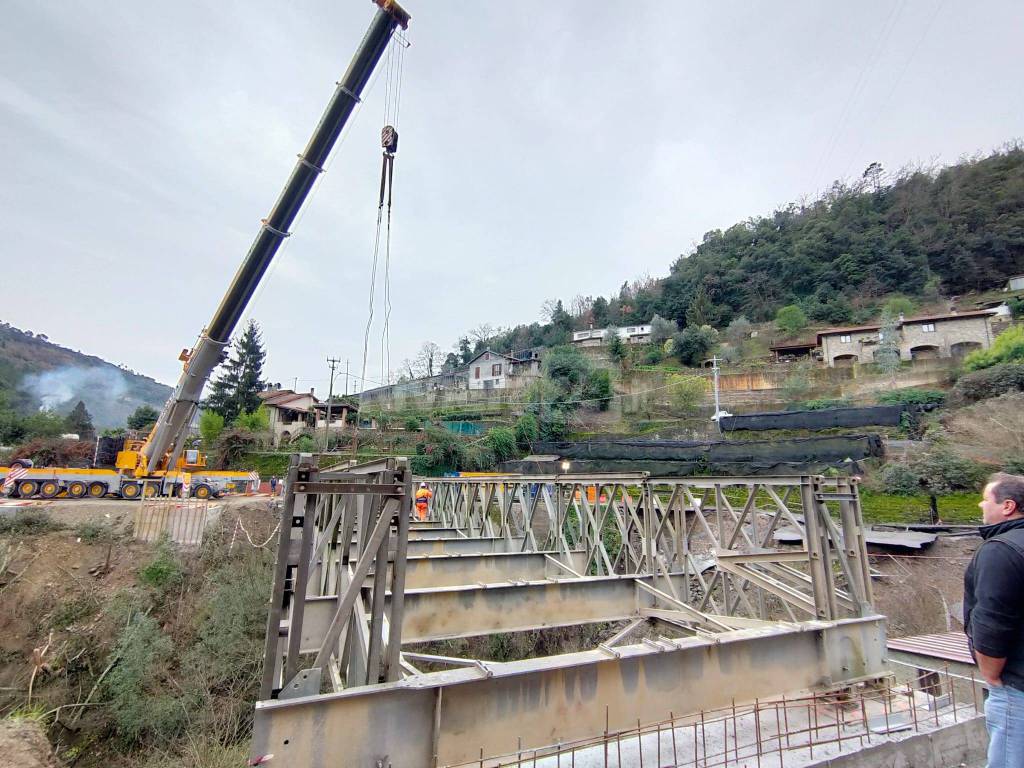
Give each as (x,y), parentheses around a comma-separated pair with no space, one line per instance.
(163,446)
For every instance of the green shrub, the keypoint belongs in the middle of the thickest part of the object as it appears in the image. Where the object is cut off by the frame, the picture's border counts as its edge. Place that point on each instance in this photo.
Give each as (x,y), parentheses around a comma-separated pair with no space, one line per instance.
(653,356)
(1014,465)
(141,707)
(91,531)
(942,472)
(925,397)
(597,388)
(899,479)
(211,424)
(687,393)
(825,404)
(71,609)
(164,571)
(438,452)
(224,665)
(693,344)
(502,443)
(526,430)
(254,421)
(28,522)
(898,305)
(987,383)
(411,423)
(303,444)
(1007,348)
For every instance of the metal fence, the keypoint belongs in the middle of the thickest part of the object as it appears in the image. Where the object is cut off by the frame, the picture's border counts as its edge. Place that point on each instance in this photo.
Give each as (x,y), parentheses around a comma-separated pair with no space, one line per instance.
(767,732)
(182,521)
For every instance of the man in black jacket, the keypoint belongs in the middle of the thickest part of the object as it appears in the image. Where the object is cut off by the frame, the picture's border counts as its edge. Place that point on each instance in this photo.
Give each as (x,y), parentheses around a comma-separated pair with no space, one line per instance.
(994,616)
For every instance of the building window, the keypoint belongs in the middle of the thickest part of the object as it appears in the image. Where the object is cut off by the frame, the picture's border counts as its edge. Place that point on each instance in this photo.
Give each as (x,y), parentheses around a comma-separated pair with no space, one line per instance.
(631,330)
(845,338)
(928,328)
(476,373)
(496,369)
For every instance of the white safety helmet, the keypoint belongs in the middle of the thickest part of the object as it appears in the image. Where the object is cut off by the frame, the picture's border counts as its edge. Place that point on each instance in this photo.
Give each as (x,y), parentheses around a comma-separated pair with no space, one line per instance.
(423,485)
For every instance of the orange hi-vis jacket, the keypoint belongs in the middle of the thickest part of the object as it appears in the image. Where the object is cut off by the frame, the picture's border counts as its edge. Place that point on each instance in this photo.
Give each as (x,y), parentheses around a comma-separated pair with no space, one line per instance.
(423,496)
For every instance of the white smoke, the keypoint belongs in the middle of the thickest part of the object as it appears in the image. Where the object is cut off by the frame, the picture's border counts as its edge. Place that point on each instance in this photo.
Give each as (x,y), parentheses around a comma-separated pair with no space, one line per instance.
(64,386)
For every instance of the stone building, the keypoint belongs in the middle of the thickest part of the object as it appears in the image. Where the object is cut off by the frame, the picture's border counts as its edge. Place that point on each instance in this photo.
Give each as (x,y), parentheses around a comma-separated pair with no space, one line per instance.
(920,338)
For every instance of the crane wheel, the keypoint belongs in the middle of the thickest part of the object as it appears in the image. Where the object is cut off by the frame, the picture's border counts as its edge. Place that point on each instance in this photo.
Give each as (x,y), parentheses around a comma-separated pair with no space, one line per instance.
(202,491)
(97,490)
(130,491)
(27,488)
(77,489)
(149,490)
(49,488)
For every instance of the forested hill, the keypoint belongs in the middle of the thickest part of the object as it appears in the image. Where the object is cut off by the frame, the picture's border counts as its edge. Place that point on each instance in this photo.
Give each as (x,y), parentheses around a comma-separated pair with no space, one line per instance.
(921,233)
(956,230)
(36,373)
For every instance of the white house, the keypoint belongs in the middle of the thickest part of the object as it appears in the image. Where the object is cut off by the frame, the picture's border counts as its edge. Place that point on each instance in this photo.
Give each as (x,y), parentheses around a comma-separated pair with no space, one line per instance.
(631,334)
(290,412)
(490,370)
(1015,283)
(496,370)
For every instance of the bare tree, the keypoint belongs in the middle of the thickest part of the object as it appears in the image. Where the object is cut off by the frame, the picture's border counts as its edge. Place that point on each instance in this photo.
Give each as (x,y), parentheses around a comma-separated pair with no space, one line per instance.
(428,357)
(580,305)
(408,369)
(548,309)
(482,333)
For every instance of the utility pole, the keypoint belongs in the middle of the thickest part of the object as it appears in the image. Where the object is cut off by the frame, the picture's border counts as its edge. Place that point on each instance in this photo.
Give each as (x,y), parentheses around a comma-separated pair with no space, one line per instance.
(331,361)
(346,378)
(718,405)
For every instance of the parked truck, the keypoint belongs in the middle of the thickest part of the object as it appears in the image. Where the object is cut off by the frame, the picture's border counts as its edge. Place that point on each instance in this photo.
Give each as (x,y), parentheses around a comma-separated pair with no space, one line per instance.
(162,462)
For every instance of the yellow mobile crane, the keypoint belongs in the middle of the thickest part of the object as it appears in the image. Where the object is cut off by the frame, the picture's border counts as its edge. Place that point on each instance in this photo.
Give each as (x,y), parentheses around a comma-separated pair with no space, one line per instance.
(161,463)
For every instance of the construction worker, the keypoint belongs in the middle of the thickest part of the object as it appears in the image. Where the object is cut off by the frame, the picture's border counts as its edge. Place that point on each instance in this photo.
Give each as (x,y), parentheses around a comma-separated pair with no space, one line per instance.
(423,497)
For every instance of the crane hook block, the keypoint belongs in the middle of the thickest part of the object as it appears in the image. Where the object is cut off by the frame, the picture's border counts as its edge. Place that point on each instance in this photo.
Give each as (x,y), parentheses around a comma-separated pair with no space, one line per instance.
(389,139)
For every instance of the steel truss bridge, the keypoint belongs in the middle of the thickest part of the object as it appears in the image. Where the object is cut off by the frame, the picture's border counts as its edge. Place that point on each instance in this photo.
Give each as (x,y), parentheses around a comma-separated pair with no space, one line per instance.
(704,608)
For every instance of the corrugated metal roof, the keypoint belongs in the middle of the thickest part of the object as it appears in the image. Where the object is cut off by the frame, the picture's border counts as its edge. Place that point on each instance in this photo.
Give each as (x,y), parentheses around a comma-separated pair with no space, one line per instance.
(949,646)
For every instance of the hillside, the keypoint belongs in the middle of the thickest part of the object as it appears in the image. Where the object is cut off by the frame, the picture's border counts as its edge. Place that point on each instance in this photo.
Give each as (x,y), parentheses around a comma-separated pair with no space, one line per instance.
(36,373)
(923,233)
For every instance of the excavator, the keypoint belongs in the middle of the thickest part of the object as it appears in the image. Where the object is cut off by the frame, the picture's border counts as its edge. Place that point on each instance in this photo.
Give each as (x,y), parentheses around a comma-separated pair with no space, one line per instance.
(161,462)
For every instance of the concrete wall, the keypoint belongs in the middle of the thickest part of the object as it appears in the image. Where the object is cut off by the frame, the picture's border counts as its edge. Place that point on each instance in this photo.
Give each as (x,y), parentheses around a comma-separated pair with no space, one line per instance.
(963,743)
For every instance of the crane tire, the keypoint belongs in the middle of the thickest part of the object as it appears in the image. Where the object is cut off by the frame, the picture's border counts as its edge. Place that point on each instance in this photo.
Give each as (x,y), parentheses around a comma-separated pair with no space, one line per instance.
(202,491)
(77,489)
(48,489)
(130,490)
(97,490)
(27,488)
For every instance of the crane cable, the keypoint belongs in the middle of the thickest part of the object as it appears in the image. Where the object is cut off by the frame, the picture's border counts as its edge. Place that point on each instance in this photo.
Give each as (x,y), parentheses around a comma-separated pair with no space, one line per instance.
(389,143)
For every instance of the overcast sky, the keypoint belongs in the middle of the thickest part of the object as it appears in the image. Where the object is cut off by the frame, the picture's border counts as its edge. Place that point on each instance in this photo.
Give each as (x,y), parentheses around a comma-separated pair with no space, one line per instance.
(547,150)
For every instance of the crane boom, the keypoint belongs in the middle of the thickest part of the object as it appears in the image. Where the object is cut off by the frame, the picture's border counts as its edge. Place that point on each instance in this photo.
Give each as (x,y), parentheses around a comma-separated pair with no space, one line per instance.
(165,441)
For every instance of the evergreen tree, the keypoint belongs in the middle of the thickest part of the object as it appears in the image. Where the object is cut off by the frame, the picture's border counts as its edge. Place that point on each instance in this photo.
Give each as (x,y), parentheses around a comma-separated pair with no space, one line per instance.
(616,348)
(79,421)
(887,353)
(143,417)
(701,311)
(237,389)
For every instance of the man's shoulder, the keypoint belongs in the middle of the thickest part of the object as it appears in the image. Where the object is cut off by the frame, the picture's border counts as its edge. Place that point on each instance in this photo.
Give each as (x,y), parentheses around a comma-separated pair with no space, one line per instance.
(1006,547)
